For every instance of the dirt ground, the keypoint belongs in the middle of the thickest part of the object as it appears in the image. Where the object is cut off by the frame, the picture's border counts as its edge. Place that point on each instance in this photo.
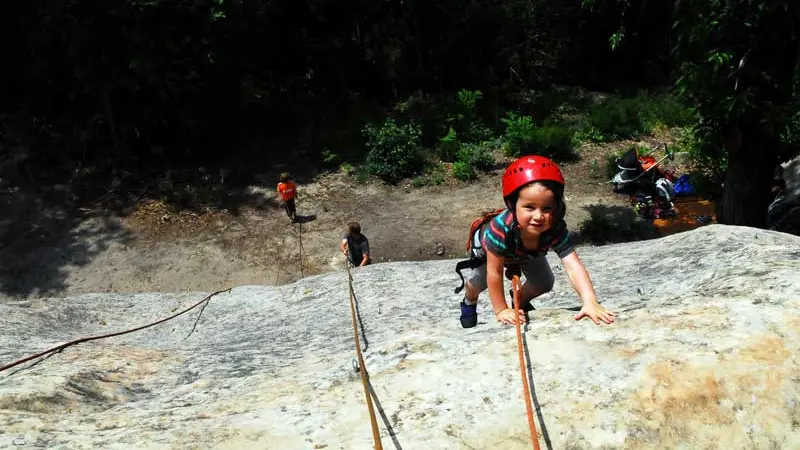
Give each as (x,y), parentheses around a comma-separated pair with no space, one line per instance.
(155,248)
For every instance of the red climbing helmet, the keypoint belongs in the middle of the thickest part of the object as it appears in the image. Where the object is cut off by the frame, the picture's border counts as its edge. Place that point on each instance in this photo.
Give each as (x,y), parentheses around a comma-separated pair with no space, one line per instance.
(528,169)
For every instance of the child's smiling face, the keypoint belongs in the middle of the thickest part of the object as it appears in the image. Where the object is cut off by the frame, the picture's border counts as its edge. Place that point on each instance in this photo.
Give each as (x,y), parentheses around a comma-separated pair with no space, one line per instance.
(535,209)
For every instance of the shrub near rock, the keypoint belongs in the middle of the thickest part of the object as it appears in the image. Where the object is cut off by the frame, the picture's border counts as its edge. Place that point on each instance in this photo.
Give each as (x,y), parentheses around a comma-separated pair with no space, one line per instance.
(394,150)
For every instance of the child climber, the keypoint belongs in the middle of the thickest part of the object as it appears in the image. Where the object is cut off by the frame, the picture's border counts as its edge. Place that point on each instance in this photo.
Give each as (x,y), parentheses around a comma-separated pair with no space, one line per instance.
(355,246)
(287,192)
(519,238)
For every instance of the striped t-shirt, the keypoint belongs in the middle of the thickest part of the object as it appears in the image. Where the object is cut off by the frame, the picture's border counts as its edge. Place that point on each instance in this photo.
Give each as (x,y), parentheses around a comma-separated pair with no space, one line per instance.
(501,236)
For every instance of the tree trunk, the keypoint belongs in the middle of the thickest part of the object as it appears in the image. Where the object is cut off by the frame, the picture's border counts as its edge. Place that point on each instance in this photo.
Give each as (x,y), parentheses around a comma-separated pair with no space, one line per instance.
(112,123)
(751,163)
(753,148)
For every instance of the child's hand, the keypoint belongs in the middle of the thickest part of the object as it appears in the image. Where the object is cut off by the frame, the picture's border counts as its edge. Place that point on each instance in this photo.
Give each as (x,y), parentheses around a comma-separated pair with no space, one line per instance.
(596,312)
(507,316)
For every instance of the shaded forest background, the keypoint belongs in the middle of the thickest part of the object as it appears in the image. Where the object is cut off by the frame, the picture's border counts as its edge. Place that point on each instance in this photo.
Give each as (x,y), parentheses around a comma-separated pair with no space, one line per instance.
(112,94)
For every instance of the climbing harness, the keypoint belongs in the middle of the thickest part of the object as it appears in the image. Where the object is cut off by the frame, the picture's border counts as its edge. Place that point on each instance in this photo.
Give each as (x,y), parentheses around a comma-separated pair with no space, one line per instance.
(119,333)
(516,287)
(361,367)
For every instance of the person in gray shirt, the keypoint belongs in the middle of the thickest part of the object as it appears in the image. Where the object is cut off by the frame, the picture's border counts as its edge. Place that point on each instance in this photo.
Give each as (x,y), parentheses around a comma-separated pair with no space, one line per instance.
(355,246)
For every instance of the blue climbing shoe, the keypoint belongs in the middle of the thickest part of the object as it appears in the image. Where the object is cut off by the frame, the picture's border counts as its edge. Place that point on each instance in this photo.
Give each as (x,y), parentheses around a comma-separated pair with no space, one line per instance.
(469,315)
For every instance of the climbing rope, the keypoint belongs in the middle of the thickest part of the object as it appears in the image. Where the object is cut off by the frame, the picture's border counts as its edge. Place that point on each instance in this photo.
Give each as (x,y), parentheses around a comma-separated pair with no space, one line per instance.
(362,368)
(119,333)
(302,251)
(516,287)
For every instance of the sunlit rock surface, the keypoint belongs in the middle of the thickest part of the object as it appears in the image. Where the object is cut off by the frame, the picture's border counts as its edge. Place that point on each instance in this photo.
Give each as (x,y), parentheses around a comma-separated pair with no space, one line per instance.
(704,355)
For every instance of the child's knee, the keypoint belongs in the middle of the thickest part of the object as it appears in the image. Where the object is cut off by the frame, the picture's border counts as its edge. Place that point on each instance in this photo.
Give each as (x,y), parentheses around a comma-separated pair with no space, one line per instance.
(549,282)
(537,287)
(472,292)
(476,282)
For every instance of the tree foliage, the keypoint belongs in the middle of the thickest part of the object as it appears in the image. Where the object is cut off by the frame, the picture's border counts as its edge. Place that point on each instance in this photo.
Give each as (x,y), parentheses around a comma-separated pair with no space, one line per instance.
(91,89)
(140,81)
(737,60)
(738,65)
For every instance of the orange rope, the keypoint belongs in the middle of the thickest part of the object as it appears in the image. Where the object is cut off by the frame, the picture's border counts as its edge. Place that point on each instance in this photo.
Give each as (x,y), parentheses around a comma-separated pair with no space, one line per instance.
(119,333)
(361,366)
(515,284)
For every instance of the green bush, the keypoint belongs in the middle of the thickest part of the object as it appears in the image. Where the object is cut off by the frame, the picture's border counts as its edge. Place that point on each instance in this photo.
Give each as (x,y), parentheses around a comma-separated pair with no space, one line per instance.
(554,141)
(464,113)
(480,132)
(463,171)
(668,110)
(362,174)
(393,150)
(437,113)
(477,155)
(555,101)
(594,169)
(448,146)
(418,182)
(518,134)
(425,111)
(587,133)
(619,117)
(709,160)
(522,136)
(434,174)
(330,158)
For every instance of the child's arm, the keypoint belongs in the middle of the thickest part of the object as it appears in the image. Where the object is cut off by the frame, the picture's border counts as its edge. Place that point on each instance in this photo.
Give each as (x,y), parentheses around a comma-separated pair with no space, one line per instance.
(582,283)
(494,281)
(364,251)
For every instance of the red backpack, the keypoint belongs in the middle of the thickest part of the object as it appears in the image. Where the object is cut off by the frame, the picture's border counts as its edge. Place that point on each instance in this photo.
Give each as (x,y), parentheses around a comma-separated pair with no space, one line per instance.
(479,222)
(474,262)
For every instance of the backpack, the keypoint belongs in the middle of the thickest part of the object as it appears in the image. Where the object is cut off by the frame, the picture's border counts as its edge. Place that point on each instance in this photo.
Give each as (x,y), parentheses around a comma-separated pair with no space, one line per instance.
(474,262)
(684,186)
(354,252)
(478,223)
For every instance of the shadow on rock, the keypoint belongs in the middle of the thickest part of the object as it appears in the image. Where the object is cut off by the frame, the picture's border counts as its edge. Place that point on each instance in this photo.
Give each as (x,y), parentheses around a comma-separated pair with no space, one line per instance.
(306,219)
(610,224)
(41,233)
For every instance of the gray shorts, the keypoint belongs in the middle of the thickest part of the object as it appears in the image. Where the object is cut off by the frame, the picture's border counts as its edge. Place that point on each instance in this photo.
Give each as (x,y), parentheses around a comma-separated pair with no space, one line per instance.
(537,274)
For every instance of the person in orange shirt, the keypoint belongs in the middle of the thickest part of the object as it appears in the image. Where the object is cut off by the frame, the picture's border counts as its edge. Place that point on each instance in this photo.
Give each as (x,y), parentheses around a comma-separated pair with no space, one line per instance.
(287,193)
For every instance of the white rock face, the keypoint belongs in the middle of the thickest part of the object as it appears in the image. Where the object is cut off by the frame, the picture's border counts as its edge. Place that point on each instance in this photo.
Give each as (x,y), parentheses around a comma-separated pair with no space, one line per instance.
(791,173)
(706,356)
